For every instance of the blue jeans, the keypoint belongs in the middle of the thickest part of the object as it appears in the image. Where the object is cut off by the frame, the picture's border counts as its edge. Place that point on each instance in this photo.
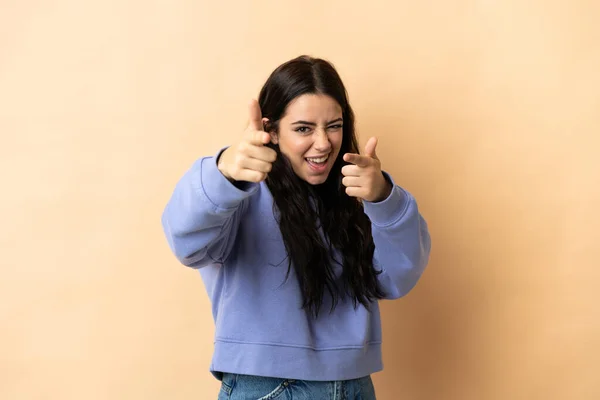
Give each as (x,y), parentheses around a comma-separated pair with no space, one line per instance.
(247,387)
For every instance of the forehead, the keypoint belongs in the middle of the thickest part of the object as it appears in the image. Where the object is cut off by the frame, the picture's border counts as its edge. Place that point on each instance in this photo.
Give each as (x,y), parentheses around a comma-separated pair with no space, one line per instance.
(313,107)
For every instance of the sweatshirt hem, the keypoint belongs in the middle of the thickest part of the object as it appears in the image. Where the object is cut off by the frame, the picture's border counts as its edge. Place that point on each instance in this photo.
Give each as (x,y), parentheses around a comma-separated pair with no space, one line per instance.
(296,362)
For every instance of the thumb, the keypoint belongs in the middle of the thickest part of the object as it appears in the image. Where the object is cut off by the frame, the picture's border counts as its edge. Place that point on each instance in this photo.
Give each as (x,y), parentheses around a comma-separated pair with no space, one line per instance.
(370,148)
(255,120)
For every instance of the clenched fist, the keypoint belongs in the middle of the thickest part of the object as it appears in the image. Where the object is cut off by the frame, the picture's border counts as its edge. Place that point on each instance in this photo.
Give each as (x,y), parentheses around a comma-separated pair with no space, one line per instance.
(249,159)
(364,179)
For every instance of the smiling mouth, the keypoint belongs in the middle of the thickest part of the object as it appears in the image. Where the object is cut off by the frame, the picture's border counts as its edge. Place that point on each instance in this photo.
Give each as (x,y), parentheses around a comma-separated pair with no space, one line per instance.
(317,160)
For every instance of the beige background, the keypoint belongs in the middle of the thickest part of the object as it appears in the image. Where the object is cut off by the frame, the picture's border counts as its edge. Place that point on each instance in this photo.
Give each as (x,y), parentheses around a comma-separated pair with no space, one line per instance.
(488,111)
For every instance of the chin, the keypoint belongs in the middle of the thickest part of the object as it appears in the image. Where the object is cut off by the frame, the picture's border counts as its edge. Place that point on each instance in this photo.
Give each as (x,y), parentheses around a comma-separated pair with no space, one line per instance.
(316,180)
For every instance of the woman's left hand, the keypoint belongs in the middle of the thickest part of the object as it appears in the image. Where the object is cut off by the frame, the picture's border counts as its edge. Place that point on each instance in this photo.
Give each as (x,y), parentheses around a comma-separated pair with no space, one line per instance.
(364,178)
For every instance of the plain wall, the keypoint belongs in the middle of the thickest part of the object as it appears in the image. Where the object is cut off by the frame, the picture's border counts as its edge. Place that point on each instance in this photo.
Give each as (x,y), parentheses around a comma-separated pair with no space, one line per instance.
(487,111)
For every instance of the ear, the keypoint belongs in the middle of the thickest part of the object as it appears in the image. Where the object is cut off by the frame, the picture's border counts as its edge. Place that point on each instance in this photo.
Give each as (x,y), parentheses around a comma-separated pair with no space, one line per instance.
(268,127)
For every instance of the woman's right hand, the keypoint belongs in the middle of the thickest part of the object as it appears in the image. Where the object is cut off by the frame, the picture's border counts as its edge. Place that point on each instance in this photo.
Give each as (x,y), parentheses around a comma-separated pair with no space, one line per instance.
(249,159)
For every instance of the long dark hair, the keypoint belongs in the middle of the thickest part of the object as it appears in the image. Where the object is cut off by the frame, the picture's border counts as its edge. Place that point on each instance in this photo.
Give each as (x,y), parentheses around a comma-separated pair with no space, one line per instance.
(302,208)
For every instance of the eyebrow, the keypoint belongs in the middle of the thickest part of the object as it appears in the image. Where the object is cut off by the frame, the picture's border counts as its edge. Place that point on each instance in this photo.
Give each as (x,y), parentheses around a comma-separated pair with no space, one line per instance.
(313,124)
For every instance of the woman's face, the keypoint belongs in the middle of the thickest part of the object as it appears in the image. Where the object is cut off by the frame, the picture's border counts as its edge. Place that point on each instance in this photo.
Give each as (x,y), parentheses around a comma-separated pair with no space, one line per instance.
(310,135)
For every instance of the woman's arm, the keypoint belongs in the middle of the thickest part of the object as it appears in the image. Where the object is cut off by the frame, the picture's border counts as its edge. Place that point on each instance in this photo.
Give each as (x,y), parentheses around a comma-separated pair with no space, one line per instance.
(201,219)
(402,241)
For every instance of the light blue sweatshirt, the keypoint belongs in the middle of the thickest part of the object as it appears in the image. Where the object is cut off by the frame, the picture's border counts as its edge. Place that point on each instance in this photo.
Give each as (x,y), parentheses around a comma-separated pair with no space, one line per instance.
(232,237)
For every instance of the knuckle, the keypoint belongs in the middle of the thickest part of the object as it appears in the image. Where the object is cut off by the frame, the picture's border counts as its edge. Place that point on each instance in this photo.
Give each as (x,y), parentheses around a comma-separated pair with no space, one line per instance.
(238,160)
(250,177)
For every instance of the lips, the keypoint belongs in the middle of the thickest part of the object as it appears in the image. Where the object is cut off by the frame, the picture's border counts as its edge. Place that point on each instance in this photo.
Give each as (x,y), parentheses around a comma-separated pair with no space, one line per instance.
(318,165)
(317,160)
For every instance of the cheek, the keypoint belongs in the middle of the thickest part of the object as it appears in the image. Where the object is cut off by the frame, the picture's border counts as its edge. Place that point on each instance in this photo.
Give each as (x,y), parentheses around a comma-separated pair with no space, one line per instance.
(297,147)
(337,140)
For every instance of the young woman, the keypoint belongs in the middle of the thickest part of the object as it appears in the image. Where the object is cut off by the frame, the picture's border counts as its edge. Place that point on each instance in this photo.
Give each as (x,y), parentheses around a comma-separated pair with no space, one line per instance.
(297,236)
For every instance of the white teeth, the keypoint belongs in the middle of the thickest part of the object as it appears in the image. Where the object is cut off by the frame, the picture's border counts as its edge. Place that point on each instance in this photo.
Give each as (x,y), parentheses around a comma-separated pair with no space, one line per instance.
(318,160)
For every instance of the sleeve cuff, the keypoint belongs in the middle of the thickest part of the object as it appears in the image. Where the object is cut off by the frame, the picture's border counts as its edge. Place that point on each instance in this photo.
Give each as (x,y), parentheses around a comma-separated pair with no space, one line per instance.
(391,209)
(218,189)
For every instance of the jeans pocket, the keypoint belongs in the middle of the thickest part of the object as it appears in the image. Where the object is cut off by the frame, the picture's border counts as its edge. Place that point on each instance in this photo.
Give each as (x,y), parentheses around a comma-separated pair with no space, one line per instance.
(238,387)
(278,391)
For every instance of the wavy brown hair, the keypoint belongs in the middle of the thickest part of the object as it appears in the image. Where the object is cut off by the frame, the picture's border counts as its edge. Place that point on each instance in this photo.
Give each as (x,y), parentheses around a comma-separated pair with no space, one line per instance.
(303,208)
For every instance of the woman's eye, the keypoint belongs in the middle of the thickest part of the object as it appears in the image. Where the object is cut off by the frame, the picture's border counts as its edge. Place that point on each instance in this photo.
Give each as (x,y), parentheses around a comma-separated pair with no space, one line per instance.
(335,127)
(302,129)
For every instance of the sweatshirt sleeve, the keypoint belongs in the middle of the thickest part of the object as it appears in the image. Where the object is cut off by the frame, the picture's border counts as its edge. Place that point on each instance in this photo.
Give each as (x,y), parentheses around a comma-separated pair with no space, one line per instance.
(402,241)
(201,219)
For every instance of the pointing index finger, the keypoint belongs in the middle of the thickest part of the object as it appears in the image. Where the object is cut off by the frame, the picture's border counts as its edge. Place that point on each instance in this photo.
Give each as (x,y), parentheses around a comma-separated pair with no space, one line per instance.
(357,159)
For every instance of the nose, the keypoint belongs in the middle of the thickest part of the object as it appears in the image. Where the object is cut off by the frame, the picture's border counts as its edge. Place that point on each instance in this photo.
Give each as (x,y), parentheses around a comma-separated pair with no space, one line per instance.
(322,143)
